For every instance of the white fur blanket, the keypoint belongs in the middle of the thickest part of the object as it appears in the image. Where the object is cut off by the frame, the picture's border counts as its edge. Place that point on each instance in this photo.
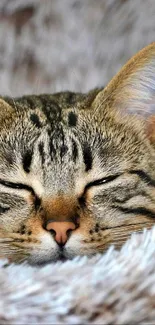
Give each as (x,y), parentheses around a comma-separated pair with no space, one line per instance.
(115,288)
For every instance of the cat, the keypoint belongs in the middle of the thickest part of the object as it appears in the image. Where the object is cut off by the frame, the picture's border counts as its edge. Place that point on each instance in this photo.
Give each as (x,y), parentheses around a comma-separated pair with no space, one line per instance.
(77,170)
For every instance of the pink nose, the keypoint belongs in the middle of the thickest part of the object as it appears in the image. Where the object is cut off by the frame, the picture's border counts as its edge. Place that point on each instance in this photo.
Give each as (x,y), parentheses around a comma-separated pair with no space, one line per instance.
(61,230)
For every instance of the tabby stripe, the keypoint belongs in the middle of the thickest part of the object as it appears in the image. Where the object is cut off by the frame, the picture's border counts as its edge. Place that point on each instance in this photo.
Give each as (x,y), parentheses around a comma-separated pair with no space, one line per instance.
(35,120)
(27,159)
(142,211)
(74,150)
(87,156)
(145,177)
(42,152)
(4,209)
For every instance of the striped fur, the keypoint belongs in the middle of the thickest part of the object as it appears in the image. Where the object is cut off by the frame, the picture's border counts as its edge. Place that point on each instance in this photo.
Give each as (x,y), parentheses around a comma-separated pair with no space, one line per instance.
(86,157)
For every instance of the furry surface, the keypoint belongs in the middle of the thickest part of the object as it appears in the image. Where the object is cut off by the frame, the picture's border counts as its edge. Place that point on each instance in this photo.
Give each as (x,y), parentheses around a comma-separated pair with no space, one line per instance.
(116,288)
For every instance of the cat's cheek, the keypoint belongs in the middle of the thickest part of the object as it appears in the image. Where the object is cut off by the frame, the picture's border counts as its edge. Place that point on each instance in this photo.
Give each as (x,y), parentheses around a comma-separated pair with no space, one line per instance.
(80,239)
(74,246)
(78,244)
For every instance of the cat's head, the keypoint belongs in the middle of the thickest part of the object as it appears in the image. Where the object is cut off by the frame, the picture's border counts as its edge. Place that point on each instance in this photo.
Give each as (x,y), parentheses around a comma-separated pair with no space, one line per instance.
(77,171)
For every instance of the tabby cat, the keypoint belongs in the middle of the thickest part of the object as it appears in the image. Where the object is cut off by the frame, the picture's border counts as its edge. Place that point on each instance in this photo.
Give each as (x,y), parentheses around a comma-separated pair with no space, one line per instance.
(77,170)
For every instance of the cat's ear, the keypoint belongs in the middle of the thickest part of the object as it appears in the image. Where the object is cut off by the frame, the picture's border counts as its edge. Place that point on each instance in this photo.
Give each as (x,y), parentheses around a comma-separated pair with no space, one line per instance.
(6,112)
(132,90)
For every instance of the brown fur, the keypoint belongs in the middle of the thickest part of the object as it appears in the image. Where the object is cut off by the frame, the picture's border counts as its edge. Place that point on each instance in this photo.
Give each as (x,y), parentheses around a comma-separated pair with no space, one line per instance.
(60,208)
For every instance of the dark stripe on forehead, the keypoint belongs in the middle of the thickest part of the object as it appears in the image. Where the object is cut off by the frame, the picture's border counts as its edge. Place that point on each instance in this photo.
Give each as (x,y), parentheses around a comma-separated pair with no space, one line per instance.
(42,152)
(35,120)
(52,148)
(141,210)
(63,150)
(51,109)
(57,142)
(74,150)
(87,156)
(27,161)
(63,146)
(72,119)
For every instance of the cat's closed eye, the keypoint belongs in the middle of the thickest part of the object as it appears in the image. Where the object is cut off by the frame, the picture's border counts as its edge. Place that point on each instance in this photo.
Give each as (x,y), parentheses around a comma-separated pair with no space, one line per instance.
(101,181)
(14,185)
(95,183)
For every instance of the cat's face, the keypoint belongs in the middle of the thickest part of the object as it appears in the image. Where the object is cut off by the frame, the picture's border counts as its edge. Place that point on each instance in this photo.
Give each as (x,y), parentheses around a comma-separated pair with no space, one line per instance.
(75,177)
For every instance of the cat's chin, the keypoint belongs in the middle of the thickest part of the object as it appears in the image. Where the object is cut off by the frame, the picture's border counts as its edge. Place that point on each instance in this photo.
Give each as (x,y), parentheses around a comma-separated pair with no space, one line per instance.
(61,259)
(59,256)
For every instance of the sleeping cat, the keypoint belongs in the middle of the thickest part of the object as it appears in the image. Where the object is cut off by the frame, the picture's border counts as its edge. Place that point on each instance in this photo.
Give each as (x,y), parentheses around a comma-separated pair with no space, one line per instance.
(77,170)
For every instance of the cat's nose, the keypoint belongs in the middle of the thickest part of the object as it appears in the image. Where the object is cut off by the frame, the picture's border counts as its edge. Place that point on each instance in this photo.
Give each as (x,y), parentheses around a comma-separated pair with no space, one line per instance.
(61,230)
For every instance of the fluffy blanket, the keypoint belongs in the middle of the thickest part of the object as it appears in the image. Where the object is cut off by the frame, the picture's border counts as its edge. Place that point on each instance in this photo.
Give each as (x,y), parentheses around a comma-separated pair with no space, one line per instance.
(115,288)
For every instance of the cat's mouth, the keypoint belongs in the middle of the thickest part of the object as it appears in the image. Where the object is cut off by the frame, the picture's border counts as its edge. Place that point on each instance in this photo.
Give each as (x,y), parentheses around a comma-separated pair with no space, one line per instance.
(62,257)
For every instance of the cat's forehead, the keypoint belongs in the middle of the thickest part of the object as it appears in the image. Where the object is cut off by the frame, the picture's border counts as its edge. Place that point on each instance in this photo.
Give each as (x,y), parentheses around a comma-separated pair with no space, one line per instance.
(62,128)
(50,110)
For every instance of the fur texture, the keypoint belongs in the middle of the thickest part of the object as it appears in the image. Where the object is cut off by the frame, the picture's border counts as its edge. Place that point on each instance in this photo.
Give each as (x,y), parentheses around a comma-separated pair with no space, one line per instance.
(55,204)
(115,288)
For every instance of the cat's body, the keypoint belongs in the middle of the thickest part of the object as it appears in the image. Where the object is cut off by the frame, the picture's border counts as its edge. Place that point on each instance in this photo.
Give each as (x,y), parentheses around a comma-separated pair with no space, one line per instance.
(77,170)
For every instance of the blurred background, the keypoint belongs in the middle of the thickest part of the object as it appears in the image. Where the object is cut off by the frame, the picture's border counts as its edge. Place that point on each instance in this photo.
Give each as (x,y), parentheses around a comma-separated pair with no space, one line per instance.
(55,45)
